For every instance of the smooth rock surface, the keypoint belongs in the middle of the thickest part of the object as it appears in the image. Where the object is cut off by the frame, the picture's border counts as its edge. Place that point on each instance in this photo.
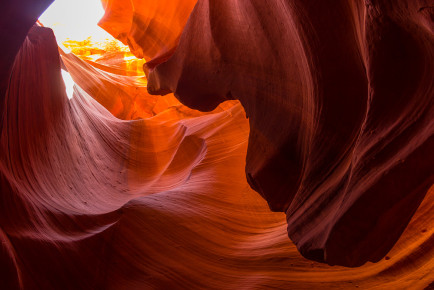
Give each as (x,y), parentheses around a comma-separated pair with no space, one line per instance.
(118,189)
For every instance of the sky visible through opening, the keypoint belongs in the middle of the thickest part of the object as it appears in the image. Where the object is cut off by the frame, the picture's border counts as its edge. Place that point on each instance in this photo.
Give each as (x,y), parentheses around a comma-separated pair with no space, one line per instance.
(75,21)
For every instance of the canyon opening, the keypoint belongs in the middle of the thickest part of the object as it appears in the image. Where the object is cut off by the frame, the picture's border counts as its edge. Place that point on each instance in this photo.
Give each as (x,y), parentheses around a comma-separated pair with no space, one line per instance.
(206,144)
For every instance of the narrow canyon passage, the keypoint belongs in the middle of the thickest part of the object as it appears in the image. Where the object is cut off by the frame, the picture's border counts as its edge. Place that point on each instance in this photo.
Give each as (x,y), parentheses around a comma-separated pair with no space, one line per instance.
(219,145)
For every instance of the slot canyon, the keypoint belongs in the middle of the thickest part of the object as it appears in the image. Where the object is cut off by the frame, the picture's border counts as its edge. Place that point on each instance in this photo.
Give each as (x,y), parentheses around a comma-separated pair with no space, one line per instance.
(218,144)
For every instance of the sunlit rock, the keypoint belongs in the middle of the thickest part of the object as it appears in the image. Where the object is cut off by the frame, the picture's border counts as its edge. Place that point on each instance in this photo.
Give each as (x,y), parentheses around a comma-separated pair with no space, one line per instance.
(324,109)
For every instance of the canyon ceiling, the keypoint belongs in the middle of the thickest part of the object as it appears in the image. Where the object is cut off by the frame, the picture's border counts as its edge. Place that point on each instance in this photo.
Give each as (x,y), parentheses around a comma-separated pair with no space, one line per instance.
(272,144)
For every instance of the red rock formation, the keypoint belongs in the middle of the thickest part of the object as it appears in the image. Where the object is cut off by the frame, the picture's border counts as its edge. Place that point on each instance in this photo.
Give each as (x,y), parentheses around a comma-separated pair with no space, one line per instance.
(151,29)
(341,107)
(92,201)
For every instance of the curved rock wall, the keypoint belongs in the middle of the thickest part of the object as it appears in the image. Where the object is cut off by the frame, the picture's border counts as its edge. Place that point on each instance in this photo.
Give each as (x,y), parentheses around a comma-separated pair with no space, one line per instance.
(340,104)
(338,136)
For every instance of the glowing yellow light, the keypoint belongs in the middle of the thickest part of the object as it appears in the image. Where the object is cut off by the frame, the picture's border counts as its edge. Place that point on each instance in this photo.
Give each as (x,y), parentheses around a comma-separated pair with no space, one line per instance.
(131,57)
(75,24)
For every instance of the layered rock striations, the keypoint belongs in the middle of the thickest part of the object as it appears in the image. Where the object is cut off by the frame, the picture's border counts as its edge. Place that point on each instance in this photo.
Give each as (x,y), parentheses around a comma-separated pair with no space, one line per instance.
(340,101)
(119,189)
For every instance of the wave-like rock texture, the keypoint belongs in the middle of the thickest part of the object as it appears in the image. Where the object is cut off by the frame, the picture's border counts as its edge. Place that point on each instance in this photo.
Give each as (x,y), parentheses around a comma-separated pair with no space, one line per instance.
(91,199)
(151,29)
(340,100)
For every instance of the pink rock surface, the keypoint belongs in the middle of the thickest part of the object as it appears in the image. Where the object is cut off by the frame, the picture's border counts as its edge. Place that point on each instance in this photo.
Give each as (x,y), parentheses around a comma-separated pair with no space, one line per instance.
(339,136)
